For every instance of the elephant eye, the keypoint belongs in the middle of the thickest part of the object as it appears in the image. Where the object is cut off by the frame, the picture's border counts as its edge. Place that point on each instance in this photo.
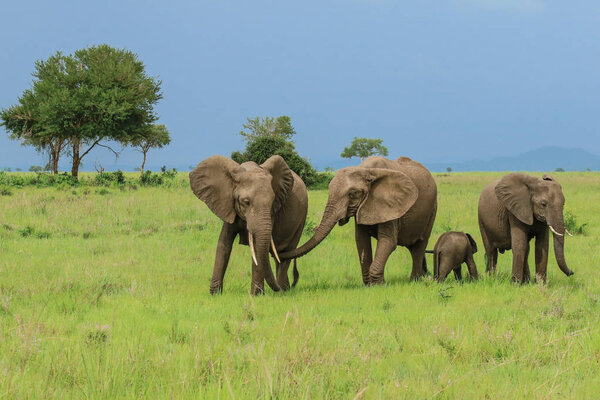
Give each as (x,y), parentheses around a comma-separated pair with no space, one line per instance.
(353,193)
(544,203)
(246,202)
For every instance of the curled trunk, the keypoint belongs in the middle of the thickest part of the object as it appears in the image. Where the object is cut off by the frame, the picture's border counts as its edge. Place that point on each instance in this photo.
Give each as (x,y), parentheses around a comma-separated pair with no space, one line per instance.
(330,218)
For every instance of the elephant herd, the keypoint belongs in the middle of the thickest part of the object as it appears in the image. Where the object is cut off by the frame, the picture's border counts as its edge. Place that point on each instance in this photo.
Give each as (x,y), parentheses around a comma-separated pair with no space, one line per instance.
(394,202)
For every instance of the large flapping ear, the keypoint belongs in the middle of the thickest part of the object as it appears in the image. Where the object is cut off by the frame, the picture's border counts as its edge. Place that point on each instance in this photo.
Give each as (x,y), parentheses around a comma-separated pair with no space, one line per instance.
(283,180)
(391,195)
(212,182)
(514,192)
(472,241)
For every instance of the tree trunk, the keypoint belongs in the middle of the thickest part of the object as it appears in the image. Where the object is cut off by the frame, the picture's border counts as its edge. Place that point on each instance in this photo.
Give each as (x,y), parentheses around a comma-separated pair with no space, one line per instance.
(55,164)
(76,158)
(144,162)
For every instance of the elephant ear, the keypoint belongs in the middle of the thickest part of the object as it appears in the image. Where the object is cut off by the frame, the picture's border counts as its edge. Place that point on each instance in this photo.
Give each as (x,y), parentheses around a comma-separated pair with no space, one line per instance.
(282,182)
(472,241)
(212,182)
(391,195)
(514,192)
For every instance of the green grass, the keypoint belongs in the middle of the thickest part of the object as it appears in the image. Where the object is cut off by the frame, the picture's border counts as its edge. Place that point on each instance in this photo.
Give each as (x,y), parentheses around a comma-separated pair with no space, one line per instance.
(105,295)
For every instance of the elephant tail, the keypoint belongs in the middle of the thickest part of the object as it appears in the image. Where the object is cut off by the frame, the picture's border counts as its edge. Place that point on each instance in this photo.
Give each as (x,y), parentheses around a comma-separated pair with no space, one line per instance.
(295,273)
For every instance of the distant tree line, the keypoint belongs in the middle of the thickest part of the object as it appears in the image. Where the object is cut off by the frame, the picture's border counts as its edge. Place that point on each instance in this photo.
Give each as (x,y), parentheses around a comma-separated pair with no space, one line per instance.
(86,100)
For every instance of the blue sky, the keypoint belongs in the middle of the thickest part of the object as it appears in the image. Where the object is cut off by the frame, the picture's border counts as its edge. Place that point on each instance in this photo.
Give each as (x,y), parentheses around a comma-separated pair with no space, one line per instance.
(437,80)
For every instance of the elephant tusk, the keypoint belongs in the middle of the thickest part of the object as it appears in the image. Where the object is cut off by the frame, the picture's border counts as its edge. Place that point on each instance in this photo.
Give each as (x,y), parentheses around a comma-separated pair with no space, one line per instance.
(275,251)
(251,243)
(553,231)
(568,233)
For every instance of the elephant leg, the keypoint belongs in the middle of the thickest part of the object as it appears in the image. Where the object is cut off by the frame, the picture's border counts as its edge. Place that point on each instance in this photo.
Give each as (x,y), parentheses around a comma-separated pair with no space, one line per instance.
(519,245)
(258,280)
(526,271)
(458,273)
(417,252)
(224,246)
(541,256)
(387,240)
(472,267)
(443,267)
(365,250)
(282,274)
(491,253)
(427,236)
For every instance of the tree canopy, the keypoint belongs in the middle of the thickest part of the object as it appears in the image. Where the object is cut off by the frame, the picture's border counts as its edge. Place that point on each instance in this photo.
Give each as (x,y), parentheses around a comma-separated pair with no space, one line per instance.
(268,137)
(157,138)
(364,147)
(83,100)
(269,126)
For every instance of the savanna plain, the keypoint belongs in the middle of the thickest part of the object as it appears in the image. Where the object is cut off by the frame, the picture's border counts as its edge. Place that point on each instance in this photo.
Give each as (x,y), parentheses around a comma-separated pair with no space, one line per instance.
(104,293)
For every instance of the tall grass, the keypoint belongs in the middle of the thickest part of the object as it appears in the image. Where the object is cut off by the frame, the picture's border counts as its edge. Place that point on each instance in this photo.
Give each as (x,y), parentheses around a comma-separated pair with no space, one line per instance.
(105,295)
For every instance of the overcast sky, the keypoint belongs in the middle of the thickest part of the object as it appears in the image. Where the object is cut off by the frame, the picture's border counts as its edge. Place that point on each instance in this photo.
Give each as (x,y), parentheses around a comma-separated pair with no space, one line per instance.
(437,80)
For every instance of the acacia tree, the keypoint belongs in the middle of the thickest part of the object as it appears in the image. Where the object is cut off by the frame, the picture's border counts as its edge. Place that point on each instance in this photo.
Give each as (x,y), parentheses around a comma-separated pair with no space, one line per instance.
(157,138)
(96,95)
(364,147)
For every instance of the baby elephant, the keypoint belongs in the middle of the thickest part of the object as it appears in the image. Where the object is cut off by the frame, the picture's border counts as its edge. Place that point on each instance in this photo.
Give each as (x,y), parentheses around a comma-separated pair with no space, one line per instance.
(451,250)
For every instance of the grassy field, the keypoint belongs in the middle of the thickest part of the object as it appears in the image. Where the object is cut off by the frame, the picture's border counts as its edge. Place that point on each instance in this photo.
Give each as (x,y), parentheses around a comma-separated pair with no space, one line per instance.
(104,294)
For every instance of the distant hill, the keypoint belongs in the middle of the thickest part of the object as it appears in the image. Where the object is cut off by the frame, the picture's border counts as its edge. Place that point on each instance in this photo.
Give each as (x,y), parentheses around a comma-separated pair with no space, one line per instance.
(547,158)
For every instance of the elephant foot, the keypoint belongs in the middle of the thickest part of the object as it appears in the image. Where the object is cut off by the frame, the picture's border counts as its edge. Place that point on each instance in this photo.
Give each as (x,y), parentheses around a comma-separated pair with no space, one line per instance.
(540,278)
(216,289)
(416,277)
(376,282)
(257,289)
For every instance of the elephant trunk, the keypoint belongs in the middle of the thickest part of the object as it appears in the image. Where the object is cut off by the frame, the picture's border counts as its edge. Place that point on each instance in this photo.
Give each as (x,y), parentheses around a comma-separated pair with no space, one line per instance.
(558,230)
(261,237)
(331,216)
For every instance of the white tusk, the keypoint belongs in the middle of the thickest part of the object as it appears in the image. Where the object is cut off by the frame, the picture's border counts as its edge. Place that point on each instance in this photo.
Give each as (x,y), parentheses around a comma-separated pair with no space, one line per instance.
(251,243)
(553,231)
(568,233)
(275,251)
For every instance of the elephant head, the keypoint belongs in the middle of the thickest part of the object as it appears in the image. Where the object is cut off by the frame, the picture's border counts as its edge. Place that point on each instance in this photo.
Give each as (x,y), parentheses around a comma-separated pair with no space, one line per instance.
(527,197)
(372,195)
(249,192)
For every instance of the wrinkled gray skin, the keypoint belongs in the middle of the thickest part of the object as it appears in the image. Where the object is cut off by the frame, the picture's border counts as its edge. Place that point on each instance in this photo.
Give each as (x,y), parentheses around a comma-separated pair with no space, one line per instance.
(515,209)
(392,201)
(450,251)
(267,200)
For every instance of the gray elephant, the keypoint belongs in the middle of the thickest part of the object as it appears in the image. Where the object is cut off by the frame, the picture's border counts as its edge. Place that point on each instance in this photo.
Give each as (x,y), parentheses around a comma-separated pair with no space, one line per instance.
(264,204)
(450,251)
(515,209)
(392,201)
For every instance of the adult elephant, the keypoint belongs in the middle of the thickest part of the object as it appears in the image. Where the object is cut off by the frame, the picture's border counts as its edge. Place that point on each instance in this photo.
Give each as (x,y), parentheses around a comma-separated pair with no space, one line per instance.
(392,201)
(515,209)
(264,204)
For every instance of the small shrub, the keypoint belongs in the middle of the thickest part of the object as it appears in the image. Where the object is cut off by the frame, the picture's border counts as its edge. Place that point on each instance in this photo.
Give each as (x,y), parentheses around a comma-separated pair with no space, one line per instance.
(5,192)
(573,226)
(27,231)
(99,335)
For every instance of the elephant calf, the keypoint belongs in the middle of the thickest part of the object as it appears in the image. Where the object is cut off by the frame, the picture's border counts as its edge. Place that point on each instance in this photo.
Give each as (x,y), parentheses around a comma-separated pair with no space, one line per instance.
(450,251)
